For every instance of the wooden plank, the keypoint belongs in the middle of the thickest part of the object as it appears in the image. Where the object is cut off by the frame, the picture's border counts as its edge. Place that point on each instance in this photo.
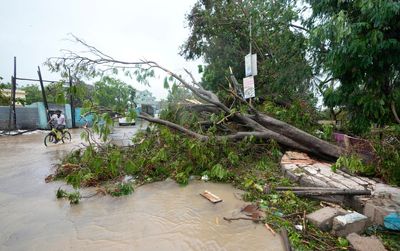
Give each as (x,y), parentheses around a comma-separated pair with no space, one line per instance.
(211,197)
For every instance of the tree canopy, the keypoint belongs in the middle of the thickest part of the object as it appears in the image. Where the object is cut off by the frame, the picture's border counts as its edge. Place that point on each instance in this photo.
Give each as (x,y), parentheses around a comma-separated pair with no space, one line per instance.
(220,34)
(358,44)
(114,94)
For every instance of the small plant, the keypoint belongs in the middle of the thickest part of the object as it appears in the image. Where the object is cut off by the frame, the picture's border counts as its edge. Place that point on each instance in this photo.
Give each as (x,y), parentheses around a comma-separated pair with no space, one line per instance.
(327,132)
(73,197)
(218,172)
(121,189)
(354,165)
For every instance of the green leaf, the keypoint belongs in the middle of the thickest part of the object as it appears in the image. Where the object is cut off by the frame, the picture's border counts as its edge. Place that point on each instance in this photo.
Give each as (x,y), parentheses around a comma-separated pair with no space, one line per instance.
(166,85)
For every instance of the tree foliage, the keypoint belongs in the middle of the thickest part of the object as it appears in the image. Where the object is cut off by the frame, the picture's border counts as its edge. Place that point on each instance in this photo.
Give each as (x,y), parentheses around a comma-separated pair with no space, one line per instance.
(358,43)
(114,94)
(32,94)
(4,100)
(220,34)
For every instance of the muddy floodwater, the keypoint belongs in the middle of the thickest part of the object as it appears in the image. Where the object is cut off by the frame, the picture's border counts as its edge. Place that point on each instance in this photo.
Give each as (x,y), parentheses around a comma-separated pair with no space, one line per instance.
(158,216)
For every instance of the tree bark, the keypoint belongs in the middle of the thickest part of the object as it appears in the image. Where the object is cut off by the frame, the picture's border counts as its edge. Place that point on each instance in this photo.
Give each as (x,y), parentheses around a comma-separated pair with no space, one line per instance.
(396,116)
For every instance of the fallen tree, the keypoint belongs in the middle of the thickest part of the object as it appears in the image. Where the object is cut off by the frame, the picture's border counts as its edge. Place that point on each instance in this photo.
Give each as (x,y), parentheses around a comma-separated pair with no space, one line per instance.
(253,122)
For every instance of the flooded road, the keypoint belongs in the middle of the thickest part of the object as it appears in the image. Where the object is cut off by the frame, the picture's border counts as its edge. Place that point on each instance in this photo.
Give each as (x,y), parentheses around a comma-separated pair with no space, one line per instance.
(158,216)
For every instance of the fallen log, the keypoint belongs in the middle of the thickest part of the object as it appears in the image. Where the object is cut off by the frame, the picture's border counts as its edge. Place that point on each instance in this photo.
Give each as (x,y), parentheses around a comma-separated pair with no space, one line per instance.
(256,124)
(306,188)
(332,192)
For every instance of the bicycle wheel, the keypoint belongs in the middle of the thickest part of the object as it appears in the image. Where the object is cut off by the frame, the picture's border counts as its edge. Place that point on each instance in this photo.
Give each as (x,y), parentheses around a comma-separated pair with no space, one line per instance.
(49,139)
(66,137)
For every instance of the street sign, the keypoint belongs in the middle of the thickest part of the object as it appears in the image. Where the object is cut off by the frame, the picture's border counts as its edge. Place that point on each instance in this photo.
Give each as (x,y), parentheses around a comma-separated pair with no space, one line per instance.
(250,61)
(248,87)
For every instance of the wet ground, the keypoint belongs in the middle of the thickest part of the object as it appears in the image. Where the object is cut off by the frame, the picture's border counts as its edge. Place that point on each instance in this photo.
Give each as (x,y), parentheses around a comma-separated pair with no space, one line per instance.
(159,216)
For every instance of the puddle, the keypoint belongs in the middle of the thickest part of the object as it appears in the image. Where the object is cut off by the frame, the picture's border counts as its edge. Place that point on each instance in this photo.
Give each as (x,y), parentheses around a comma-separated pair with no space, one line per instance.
(158,216)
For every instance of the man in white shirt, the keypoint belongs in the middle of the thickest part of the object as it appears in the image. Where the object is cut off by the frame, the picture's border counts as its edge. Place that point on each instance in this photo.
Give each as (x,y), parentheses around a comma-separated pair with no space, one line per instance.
(60,120)
(57,120)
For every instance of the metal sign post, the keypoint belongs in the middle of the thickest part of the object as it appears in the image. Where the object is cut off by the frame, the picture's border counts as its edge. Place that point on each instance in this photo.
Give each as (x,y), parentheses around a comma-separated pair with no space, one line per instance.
(250,71)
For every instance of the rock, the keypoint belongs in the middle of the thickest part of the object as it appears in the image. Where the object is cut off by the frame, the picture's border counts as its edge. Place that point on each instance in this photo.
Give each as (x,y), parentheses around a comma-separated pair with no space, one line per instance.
(349,223)
(323,218)
(360,243)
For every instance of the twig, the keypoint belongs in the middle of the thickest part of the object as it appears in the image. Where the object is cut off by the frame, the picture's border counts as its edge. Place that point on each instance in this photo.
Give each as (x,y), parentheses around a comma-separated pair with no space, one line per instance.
(291,215)
(241,218)
(270,228)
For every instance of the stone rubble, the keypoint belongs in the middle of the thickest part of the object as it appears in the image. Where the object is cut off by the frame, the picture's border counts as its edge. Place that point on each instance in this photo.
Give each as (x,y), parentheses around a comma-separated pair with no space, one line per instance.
(360,243)
(323,218)
(385,199)
(344,225)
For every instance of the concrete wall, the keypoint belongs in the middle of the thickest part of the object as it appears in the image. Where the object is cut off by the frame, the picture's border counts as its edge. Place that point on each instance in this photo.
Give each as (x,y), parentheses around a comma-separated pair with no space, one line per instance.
(27,117)
(34,116)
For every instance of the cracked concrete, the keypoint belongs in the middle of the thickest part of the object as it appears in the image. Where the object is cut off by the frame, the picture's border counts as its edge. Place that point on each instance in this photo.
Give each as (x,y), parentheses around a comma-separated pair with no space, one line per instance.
(311,172)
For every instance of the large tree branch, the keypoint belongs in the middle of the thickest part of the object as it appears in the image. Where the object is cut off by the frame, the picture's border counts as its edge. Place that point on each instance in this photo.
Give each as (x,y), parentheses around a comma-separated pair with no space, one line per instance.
(262,125)
(266,134)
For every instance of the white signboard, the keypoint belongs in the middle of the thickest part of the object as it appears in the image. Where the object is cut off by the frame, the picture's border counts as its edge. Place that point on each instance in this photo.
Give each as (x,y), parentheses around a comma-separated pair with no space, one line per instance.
(250,62)
(248,87)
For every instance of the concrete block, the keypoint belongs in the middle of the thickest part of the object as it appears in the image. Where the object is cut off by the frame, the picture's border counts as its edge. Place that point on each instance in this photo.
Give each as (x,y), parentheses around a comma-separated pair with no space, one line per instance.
(377,209)
(323,218)
(349,223)
(311,181)
(393,191)
(360,243)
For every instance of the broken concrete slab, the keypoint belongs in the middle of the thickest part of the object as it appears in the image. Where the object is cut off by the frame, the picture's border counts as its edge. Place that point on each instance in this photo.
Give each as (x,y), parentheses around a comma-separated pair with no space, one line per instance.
(349,223)
(384,188)
(376,209)
(299,167)
(360,243)
(323,218)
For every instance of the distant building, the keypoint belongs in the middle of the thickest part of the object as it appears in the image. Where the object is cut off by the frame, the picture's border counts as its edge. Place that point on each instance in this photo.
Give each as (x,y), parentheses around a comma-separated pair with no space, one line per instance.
(19,94)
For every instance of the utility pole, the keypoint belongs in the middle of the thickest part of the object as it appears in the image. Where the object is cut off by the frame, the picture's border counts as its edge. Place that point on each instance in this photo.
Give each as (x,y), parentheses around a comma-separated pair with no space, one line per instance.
(46,106)
(14,88)
(250,35)
(71,99)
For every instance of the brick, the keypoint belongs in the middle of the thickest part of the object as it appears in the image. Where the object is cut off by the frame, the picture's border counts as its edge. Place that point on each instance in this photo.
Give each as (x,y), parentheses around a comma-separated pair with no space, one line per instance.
(311,181)
(349,223)
(290,167)
(360,243)
(311,170)
(323,218)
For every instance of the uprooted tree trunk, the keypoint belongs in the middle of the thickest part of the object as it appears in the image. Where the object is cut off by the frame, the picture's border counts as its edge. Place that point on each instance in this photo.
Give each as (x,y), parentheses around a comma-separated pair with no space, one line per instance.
(260,125)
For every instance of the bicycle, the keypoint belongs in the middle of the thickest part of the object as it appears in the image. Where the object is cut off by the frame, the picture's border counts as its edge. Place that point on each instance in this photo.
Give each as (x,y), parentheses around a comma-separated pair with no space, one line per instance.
(55,136)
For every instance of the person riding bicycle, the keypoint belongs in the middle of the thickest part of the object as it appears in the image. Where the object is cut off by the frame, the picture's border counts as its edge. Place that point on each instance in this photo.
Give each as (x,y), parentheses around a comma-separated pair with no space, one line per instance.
(57,120)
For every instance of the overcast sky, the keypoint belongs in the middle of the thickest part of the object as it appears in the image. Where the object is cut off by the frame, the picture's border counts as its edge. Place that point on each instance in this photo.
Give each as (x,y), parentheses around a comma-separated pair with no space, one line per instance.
(33,30)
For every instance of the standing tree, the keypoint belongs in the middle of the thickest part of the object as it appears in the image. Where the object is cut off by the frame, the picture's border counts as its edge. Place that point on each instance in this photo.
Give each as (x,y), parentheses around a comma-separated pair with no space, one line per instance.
(220,34)
(4,100)
(114,94)
(32,94)
(358,43)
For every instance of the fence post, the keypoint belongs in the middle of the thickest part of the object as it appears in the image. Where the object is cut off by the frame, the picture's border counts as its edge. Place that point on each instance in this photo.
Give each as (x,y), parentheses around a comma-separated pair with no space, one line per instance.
(46,106)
